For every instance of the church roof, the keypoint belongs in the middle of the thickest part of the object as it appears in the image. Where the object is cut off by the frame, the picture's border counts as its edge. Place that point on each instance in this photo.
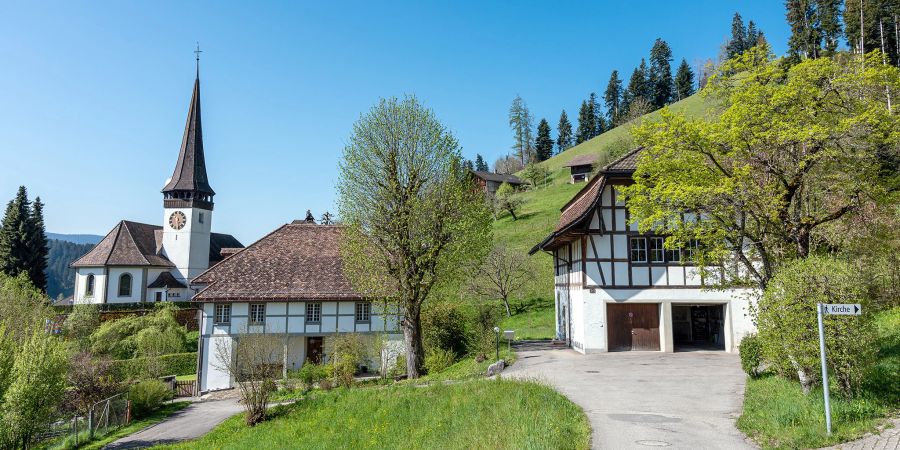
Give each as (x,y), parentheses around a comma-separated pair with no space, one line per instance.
(166,280)
(298,261)
(140,244)
(190,171)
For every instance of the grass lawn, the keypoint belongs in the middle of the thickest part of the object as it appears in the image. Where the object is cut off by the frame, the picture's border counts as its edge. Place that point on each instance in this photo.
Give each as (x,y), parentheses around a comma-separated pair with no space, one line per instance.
(467,368)
(531,319)
(117,433)
(778,415)
(191,377)
(496,414)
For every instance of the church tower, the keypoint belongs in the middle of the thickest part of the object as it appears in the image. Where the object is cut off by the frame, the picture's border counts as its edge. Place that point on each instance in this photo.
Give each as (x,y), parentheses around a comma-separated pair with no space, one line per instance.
(188,201)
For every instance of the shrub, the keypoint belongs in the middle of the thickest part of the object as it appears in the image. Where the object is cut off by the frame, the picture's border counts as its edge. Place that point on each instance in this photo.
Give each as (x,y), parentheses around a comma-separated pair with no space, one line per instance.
(80,323)
(399,366)
(153,334)
(311,373)
(751,355)
(136,368)
(146,396)
(483,341)
(349,351)
(444,327)
(90,380)
(788,331)
(437,360)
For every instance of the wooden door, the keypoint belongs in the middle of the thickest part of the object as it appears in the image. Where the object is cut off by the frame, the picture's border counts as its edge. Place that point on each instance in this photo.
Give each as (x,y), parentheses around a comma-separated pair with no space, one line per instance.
(632,326)
(314,349)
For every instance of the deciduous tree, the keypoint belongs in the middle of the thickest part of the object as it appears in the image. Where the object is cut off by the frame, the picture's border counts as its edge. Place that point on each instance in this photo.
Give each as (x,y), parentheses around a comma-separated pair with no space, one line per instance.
(501,275)
(507,200)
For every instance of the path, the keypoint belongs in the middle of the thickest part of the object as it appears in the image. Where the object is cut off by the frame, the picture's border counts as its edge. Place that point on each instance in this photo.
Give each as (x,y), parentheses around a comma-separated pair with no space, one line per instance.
(638,400)
(189,423)
(888,439)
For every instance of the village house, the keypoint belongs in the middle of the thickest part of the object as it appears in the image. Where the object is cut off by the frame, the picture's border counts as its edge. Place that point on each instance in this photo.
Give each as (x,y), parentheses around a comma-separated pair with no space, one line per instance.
(289,284)
(580,167)
(617,289)
(489,182)
(138,262)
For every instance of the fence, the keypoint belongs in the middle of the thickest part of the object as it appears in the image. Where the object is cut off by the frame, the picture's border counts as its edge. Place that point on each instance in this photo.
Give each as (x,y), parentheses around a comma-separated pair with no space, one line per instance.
(100,417)
(113,411)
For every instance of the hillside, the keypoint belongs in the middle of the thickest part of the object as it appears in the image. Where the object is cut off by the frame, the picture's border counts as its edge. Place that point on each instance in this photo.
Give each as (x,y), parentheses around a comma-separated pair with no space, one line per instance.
(540,213)
(76,238)
(61,277)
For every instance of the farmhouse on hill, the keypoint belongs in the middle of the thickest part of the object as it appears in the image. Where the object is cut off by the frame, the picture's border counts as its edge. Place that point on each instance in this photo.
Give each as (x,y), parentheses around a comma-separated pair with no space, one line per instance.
(138,262)
(617,289)
(489,182)
(289,284)
(581,167)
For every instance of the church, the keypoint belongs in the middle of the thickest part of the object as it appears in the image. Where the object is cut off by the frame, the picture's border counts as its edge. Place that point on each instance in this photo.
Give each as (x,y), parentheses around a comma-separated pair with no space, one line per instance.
(138,262)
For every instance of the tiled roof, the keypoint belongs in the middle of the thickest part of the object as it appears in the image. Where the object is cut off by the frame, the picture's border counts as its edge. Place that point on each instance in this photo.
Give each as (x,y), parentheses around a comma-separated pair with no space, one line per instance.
(166,280)
(498,177)
(140,244)
(627,163)
(190,171)
(298,261)
(582,160)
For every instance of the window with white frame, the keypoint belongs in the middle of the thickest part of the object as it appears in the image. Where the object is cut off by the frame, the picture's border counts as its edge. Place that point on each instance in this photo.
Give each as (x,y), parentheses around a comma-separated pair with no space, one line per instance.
(223,314)
(673,255)
(690,250)
(313,313)
(638,250)
(257,313)
(89,288)
(657,250)
(363,312)
(125,285)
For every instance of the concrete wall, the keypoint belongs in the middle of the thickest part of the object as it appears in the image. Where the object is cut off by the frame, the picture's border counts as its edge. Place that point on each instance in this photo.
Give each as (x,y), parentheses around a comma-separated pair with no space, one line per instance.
(188,248)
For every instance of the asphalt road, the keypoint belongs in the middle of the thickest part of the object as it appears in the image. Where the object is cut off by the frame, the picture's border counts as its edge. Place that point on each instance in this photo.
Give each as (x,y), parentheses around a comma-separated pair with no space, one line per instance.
(640,400)
(189,423)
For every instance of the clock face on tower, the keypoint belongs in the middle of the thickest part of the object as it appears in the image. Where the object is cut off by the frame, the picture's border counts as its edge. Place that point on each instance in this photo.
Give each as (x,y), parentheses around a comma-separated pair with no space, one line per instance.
(177,220)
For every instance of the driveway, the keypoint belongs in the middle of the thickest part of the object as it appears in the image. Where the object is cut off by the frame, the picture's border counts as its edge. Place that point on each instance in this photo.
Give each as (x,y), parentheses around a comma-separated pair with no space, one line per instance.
(639,400)
(189,423)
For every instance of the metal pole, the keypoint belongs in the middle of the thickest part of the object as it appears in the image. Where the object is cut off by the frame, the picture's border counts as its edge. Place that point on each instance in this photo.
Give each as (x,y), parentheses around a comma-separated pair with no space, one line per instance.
(819,307)
(497,332)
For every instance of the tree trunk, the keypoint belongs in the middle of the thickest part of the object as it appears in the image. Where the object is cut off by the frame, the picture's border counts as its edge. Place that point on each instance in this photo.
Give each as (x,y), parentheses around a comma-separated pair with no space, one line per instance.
(412,336)
(807,379)
(803,242)
(506,304)
(513,214)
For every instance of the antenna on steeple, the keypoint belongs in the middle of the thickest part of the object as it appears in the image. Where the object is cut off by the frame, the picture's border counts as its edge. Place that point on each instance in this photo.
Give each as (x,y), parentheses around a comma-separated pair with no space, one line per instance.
(198,52)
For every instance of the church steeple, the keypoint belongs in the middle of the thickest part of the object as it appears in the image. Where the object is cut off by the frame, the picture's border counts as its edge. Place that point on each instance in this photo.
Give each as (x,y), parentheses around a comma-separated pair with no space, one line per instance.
(189,186)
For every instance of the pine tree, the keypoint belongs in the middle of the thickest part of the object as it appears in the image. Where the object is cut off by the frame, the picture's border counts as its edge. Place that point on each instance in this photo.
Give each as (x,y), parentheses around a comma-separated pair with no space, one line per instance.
(877,16)
(14,250)
(543,143)
(585,123)
(830,29)
(613,98)
(37,246)
(520,122)
(480,165)
(637,87)
(738,42)
(469,165)
(684,80)
(806,39)
(564,131)
(752,35)
(661,82)
(597,113)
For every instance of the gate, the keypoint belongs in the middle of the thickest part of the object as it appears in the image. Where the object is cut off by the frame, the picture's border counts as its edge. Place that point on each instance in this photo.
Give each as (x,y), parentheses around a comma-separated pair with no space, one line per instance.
(185,388)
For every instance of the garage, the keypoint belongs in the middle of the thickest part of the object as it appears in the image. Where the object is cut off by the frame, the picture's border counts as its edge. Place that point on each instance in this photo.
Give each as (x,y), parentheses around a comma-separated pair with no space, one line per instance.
(698,327)
(633,326)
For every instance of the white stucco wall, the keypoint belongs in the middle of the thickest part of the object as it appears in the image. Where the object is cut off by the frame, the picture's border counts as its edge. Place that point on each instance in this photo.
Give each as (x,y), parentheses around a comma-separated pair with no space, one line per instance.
(188,248)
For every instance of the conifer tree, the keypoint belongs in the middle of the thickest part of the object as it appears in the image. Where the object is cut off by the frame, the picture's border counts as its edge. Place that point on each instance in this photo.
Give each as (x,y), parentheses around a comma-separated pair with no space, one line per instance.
(564,133)
(684,80)
(661,84)
(752,35)
(520,121)
(480,165)
(738,42)
(14,256)
(806,39)
(637,87)
(599,125)
(37,246)
(469,165)
(543,143)
(830,28)
(585,123)
(613,98)
(878,16)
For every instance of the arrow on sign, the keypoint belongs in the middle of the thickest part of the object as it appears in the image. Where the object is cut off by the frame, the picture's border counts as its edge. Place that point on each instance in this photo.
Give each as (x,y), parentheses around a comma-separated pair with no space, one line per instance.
(845,309)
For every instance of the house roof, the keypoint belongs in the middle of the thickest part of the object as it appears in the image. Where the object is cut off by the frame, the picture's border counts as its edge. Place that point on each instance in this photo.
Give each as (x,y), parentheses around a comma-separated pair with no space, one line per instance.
(140,244)
(190,171)
(582,160)
(580,206)
(166,280)
(298,261)
(498,177)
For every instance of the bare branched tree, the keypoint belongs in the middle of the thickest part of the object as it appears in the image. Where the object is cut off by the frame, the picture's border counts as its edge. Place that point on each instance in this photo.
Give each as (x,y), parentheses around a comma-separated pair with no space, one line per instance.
(499,276)
(253,362)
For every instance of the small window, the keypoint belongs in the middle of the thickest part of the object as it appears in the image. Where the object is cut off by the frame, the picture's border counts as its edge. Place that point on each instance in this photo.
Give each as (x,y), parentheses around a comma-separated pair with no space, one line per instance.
(638,250)
(89,288)
(223,314)
(257,313)
(125,285)
(673,255)
(200,218)
(313,312)
(159,296)
(657,250)
(363,312)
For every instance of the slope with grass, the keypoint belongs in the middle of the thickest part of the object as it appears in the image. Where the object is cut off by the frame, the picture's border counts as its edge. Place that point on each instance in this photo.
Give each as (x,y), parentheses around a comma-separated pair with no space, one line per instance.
(498,414)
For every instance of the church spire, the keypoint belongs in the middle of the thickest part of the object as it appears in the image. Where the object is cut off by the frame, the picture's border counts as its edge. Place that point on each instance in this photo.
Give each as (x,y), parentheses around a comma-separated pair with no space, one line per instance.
(189,182)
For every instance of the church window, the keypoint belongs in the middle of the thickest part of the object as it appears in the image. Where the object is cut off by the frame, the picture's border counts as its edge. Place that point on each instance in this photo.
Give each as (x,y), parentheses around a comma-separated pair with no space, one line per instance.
(363,312)
(89,288)
(223,314)
(257,313)
(313,313)
(125,285)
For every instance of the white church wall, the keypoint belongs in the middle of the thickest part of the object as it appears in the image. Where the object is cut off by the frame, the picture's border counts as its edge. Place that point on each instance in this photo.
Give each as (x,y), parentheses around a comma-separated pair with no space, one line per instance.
(113,279)
(99,294)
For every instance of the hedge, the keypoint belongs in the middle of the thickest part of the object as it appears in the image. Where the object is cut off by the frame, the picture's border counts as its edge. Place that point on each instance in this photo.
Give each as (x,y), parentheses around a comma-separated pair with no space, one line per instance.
(172,364)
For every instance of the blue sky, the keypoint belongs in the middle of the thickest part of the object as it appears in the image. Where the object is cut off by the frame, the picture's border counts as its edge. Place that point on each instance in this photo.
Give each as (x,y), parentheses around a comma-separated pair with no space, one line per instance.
(93,96)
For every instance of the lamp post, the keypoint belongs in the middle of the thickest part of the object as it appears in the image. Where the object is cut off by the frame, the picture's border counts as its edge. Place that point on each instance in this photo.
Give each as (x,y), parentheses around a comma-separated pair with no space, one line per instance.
(497,332)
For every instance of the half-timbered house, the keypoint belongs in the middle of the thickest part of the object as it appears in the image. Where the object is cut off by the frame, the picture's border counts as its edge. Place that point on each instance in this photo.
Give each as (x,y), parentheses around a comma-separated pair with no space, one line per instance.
(618,289)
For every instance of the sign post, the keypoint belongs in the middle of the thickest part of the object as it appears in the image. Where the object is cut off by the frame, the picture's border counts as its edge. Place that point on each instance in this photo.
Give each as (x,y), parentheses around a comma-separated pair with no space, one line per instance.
(852,309)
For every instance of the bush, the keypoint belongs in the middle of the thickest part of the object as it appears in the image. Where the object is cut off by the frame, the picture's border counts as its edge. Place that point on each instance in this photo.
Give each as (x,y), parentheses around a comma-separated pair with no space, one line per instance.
(349,351)
(751,355)
(137,368)
(311,373)
(135,336)
(399,368)
(80,323)
(444,327)
(146,396)
(484,339)
(437,360)
(788,330)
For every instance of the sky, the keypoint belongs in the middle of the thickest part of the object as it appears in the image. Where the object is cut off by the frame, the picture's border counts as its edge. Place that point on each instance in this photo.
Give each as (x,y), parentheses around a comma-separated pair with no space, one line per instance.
(94,95)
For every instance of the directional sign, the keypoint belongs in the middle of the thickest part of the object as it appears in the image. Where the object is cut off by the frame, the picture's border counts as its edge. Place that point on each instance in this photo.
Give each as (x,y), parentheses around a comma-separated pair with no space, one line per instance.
(846,309)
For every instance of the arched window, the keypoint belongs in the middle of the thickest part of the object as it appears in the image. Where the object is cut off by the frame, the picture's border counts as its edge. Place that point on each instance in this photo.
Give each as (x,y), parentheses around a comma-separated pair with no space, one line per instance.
(89,289)
(125,285)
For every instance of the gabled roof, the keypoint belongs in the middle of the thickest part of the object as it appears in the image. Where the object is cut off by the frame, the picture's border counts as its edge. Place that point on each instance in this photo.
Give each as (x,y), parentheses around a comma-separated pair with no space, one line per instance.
(298,261)
(580,206)
(190,171)
(166,280)
(498,177)
(582,160)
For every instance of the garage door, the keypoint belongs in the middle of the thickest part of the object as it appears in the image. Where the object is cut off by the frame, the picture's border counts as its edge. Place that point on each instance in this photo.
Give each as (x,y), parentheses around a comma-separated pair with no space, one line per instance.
(633,326)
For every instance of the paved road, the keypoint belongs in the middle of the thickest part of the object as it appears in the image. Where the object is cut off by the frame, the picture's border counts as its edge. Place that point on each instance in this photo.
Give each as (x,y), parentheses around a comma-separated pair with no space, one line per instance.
(189,423)
(888,439)
(641,400)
